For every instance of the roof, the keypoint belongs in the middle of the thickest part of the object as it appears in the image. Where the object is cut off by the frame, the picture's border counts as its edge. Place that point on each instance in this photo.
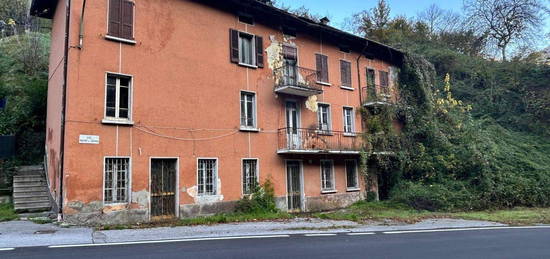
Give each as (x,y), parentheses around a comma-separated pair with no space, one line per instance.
(43,8)
(277,18)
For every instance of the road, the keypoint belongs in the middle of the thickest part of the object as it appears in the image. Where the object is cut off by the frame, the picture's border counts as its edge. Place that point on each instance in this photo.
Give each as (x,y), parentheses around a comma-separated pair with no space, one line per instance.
(479,243)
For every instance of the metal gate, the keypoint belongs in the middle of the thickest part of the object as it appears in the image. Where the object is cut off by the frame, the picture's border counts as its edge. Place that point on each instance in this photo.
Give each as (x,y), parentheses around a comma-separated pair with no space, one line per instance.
(294,186)
(163,188)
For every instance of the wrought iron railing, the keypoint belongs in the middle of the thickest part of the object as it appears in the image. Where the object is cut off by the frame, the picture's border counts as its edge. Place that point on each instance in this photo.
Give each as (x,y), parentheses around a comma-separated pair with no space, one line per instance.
(299,139)
(295,76)
(375,94)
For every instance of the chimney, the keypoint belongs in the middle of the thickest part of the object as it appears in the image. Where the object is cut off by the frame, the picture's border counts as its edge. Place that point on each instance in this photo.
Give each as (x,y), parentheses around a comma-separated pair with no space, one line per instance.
(325,20)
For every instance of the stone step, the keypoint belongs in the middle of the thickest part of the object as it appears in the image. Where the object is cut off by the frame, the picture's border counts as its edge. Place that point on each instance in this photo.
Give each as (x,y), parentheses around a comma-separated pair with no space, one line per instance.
(29,194)
(28,178)
(30,189)
(30,173)
(19,200)
(47,213)
(32,206)
(29,184)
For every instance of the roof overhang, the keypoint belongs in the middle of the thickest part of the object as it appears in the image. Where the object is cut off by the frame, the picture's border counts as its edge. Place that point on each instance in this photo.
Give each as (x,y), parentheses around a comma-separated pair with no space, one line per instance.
(43,8)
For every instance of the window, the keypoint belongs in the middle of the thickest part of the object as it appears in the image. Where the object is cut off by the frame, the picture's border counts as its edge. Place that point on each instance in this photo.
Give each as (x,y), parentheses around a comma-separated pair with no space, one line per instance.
(384,82)
(322,68)
(323,115)
(117,171)
(250,175)
(352,179)
(117,101)
(207,176)
(246,49)
(345,73)
(348,120)
(248,110)
(371,78)
(327,176)
(121,19)
(245,18)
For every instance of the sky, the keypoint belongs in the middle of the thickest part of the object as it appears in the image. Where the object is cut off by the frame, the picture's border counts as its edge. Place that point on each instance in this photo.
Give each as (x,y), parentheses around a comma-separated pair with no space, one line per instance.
(339,10)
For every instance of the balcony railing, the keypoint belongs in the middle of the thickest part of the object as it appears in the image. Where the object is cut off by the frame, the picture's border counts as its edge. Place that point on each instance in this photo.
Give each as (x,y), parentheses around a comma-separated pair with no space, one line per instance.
(313,141)
(296,80)
(375,95)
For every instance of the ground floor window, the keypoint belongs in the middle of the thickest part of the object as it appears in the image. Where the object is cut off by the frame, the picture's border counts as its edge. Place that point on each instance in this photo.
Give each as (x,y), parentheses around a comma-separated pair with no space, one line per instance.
(250,175)
(327,176)
(207,171)
(352,181)
(117,171)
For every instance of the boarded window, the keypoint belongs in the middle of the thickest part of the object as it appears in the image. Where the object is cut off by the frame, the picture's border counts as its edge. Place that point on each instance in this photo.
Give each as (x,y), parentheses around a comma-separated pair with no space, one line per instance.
(352,179)
(327,176)
(207,171)
(250,175)
(121,19)
(117,171)
(345,73)
(322,67)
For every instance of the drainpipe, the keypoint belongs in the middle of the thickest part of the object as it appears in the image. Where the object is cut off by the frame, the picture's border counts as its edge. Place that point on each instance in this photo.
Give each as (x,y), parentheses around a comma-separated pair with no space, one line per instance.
(81,26)
(64,105)
(359,72)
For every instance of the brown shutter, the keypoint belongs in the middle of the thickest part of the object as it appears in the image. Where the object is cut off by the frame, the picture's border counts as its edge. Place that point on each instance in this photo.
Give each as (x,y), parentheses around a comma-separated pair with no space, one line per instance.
(259,51)
(345,73)
(127,31)
(319,67)
(290,52)
(324,68)
(115,18)
(234,45)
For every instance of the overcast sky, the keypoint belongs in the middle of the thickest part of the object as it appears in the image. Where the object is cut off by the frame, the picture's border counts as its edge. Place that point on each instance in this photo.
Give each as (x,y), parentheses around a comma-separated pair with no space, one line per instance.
(339,10)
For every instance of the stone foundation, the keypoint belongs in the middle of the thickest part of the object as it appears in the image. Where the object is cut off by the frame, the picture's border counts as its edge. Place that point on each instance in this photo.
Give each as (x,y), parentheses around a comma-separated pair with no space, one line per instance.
(332,201)
(205,209)
(94,213)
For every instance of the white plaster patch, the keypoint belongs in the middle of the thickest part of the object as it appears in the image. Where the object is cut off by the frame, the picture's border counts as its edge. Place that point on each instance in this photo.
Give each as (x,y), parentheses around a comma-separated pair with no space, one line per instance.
(311,103)
(141,198)
(274,58)
(192,191)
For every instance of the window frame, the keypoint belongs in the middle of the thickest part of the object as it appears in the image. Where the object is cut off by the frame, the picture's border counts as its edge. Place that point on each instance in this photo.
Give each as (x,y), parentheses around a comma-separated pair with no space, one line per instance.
(215,186)
(333,177)
(385,88)
(253,60)
(117,38)
(117,120)
(356,167)
(254,127)
(351,132)
(128,182)
(329,118)
(243,177)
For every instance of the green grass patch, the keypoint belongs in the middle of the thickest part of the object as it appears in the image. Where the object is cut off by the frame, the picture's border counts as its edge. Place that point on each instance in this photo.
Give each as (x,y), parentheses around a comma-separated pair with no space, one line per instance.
(7,212)
(235,217)
(517,216)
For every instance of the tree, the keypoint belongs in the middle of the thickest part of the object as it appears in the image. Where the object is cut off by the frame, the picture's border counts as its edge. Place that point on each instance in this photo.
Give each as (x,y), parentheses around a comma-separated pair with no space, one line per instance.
(372,23)
(507,22)
(440,20)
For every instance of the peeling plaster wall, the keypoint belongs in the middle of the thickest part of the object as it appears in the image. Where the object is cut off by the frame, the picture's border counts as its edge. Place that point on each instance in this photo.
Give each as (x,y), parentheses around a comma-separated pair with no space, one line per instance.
(332,201)
(94,213)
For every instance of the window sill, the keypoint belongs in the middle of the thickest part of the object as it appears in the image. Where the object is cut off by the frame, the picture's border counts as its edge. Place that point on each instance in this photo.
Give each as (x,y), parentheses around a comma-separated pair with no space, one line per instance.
(114,204)
(324,132)
(328,191)
(350,135)
(323,83)
(117,122)
(353,190)
(347,88)
(248,65)
(113,38)
(246,129)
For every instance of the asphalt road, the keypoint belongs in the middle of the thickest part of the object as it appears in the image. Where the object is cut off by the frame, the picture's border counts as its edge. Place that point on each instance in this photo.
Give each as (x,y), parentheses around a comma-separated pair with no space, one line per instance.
(489,243)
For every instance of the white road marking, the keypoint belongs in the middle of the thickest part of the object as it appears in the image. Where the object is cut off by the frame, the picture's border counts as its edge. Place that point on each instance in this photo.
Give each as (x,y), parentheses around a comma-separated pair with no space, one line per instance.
(461,229)
(320,235)
(360,233)
(7,249)
(167,241)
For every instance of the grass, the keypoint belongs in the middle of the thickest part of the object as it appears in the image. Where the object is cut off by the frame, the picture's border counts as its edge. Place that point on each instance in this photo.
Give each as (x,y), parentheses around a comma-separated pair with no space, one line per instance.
(7,212)
(380,211)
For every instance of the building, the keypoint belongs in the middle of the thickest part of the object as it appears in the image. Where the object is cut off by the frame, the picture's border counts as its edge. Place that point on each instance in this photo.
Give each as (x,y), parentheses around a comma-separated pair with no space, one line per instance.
(177,108)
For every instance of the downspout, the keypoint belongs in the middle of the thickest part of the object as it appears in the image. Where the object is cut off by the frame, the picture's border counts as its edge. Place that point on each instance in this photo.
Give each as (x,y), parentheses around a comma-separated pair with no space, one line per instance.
(64,105)
(359,72)
(81,27)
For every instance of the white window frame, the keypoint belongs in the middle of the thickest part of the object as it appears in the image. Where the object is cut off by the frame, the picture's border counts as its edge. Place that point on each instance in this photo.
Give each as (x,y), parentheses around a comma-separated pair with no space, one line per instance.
(128,182)
(329,118)
(243,176)
(214,177)
(253,49)
(357,187)
(117,119)
(351,131)
(333,180)
(254,127)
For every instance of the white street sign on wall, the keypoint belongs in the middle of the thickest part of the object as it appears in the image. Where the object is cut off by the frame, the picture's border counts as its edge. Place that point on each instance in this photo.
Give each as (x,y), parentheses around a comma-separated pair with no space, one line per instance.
(88,139)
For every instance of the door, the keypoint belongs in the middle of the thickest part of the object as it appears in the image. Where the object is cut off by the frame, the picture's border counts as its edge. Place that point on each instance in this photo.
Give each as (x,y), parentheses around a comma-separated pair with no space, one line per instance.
(289,71)
(294,186)
(292,126)
(163,188)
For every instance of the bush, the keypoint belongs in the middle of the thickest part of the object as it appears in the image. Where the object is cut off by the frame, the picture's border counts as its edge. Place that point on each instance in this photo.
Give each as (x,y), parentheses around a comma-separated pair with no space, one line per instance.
(447,197)
(262,200)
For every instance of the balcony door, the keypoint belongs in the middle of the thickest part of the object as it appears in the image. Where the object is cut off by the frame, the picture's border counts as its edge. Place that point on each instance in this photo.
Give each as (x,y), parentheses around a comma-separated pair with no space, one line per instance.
(290,59)
(292,125)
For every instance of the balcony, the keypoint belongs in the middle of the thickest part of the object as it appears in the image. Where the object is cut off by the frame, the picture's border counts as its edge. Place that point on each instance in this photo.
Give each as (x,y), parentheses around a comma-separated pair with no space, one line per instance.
(381,143)
(313,141)
(298,81)
(372,96)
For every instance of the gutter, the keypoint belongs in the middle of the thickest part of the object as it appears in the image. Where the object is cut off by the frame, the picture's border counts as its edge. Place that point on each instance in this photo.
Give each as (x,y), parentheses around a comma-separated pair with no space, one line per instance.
(64,106)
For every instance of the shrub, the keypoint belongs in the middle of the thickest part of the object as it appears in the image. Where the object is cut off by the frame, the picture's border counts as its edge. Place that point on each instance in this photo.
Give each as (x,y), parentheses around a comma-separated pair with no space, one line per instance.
(262,200)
